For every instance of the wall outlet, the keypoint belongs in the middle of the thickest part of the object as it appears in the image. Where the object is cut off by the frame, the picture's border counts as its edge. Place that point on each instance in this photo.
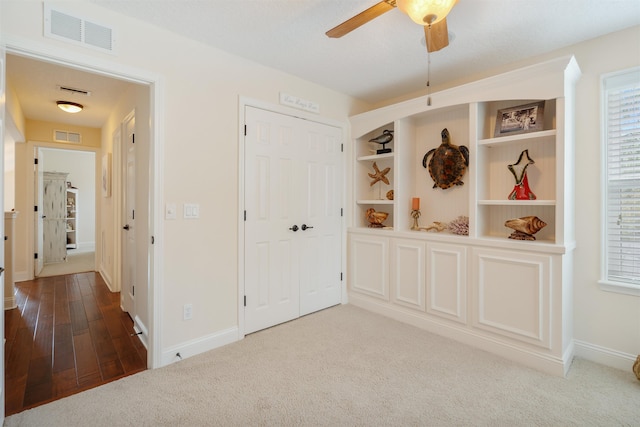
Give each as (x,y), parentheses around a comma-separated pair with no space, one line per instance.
(187,312)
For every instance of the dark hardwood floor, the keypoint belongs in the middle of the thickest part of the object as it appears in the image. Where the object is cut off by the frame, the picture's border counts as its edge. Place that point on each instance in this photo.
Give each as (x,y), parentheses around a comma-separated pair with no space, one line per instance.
(68,334)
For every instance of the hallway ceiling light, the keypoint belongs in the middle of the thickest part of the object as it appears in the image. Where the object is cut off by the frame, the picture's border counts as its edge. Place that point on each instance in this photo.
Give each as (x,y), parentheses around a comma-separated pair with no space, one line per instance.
(69,107)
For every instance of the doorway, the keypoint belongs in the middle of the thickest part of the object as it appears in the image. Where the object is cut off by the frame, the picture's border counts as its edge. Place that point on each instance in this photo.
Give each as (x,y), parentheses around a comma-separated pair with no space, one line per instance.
(79,215)
(108,218)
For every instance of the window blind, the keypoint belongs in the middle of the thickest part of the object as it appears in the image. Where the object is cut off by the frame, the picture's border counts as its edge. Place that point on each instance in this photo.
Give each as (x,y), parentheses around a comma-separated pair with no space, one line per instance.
(622,178)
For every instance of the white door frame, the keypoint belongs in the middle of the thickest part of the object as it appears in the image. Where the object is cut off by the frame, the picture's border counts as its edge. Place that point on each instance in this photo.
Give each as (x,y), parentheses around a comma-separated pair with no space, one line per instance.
(249,102)
(67,58)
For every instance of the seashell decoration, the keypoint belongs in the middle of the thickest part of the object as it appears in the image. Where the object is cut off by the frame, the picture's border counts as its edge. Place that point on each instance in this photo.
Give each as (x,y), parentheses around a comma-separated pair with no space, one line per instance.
(376,219)
(390,195)
(525,227)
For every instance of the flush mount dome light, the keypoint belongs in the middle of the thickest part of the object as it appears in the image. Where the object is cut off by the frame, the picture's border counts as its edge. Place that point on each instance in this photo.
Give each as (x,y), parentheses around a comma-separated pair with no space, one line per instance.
(69,107)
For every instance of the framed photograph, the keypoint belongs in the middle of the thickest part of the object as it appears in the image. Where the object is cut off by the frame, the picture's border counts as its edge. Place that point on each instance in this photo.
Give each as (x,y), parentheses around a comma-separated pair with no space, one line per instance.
(106,175)
(520,119)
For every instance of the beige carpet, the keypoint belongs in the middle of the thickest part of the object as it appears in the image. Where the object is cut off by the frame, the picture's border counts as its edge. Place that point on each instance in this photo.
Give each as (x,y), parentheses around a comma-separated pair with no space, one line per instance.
(346,366)
(78,261)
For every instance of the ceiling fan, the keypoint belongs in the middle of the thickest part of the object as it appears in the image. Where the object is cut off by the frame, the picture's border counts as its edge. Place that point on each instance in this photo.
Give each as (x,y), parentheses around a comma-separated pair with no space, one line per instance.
(429,13)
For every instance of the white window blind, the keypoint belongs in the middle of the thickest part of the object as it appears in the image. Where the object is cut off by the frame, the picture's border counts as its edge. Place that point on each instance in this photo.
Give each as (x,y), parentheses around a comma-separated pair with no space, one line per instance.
(621,214)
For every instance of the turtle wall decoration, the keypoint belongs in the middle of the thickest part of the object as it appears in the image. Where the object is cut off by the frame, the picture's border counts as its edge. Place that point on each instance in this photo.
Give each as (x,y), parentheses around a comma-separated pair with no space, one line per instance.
(448,162)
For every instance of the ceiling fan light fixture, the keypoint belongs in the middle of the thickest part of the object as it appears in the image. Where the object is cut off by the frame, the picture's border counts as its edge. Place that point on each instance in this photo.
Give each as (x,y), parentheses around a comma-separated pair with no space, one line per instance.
(69,107)
(426,12)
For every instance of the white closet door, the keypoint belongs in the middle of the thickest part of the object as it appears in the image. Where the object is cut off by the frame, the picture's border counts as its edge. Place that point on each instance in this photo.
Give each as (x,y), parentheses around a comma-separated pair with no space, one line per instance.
(293,248)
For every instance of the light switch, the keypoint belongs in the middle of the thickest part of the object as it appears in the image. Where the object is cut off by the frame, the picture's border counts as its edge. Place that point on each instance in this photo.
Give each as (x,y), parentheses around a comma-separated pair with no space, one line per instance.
(170,211)
(191,211)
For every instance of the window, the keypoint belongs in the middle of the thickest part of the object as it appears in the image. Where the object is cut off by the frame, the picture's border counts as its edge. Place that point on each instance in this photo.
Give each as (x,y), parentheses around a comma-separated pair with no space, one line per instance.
(621,182)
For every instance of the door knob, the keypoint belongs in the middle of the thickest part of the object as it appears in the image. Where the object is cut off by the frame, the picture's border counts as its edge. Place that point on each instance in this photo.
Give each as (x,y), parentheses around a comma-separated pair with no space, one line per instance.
(126,227)
(294,228)
(305,227)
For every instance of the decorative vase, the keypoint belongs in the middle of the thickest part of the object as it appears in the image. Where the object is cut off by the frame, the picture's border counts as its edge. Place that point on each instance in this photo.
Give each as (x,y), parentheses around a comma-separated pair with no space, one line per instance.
(521,190)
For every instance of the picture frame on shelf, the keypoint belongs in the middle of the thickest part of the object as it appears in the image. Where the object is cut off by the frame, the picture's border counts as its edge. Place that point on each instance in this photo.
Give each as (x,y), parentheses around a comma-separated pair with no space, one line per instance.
(520,119)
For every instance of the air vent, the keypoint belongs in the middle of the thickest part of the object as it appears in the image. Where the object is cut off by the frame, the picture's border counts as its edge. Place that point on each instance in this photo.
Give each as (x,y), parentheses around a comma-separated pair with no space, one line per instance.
(64,26)
(74,91)
(66,136)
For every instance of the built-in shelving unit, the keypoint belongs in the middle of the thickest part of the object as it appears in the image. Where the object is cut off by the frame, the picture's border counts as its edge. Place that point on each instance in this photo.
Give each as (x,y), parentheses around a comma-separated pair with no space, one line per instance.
(504,295)
(72,218)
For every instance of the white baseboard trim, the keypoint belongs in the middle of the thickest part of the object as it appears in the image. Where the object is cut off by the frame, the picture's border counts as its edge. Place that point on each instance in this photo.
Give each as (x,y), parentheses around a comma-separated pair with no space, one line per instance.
(200,345)
(10,302)
(21,276)
(558,366)
(604,356)
(107,279)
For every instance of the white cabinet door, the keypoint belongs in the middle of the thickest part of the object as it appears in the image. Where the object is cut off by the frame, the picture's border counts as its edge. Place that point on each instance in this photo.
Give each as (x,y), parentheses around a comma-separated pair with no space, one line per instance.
(369,265)
(408,273)
(447,281)
(511,294)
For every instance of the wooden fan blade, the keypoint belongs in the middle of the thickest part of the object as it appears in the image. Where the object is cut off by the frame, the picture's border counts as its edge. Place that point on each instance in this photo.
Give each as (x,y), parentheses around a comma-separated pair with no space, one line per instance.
(361,18)
(437,36)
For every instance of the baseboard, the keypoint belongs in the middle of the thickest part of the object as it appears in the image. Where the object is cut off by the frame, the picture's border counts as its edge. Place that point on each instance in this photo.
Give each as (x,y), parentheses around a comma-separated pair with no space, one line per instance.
(21,276)
(604,356)
(10,302)
(558,366)
(107,280)
(200,345)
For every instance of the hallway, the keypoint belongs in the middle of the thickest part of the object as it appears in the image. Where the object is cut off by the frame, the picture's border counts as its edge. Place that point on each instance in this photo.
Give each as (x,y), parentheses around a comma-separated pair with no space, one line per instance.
(68,334)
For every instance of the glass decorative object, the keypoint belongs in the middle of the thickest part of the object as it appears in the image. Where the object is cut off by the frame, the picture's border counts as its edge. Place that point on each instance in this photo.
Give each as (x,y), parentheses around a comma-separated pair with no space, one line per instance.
(521,190)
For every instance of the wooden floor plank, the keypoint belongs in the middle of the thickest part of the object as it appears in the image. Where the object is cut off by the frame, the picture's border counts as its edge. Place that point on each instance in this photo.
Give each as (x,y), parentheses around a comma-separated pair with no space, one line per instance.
(54,350)
(86,361)
(79,323)
(63,354)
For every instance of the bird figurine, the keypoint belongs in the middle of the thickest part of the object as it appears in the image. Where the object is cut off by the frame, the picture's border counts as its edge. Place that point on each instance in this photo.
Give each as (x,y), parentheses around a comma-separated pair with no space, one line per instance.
(385,138)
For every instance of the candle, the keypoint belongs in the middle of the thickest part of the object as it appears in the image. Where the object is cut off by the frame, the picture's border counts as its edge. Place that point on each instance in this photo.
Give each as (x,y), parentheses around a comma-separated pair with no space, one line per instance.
(415,203)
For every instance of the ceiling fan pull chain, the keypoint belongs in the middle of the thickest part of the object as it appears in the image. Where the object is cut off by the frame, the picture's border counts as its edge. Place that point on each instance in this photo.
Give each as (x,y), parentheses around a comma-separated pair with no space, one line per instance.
(429,74)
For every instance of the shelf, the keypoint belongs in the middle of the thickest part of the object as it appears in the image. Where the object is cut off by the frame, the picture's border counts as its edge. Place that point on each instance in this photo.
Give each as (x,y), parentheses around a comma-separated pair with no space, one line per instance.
(517,202)
(502,140)
(375,202)
(376,157)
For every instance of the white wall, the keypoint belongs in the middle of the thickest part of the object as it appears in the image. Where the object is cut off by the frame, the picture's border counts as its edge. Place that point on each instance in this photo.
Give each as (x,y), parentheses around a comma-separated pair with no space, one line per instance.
(200,152)
(80,165)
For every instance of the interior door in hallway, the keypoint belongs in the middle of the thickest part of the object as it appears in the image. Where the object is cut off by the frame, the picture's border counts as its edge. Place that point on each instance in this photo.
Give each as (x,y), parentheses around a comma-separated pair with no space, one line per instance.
(293,193)
(127,294)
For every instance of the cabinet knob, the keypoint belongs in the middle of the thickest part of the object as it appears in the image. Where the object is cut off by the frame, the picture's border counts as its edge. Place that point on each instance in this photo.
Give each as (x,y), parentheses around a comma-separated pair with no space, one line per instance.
(305,227)
(294,228)
(126,227)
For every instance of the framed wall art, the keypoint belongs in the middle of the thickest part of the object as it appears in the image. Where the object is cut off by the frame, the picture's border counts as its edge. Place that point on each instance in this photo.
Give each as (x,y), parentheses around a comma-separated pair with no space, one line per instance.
(520,119)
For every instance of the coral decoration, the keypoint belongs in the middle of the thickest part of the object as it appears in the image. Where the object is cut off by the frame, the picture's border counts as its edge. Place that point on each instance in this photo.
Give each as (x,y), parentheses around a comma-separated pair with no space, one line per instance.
(460,225)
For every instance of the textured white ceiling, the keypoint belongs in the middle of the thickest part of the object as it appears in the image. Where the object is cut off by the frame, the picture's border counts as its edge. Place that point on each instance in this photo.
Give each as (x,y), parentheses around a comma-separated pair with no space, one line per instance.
(384,59)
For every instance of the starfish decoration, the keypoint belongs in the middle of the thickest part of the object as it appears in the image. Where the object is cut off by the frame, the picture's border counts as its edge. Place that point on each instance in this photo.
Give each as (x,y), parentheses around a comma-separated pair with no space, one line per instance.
(379,175)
